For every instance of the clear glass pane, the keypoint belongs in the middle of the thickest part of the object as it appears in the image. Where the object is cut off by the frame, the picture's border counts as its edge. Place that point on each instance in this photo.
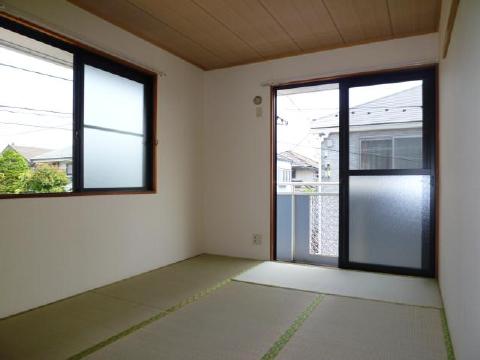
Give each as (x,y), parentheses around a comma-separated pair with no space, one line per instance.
(376,154)
(36,91)
(113,160)
(408,152)
(386,217)
(379,116)
(308,173)
(113,102)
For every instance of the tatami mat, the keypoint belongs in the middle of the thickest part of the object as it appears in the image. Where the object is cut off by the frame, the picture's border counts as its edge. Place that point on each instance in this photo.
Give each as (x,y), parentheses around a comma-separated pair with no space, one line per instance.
(391,288)
(343,328)
(238,321)
(59,330)
(168,286)
(67,327)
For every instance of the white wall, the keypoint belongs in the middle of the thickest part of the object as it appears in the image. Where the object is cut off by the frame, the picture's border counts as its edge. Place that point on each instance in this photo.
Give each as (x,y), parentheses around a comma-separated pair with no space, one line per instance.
(460,181)
(236,142)
(54,248)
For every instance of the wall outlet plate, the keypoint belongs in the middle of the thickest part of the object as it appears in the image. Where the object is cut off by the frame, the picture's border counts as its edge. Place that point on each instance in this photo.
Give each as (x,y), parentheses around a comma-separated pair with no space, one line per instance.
(257,239)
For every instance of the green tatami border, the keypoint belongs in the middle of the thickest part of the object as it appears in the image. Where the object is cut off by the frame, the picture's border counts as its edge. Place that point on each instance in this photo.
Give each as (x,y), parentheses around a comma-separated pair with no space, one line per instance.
(446,336)
(148,321)
(288,334)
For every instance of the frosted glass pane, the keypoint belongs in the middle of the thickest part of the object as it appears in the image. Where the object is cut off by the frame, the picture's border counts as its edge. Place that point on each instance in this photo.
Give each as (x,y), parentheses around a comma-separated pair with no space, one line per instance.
(386,217)
(379,116)
(112,101)
(112,160)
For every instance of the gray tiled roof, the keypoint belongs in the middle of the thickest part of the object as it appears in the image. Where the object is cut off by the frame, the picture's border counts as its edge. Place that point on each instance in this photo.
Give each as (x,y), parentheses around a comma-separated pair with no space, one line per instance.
(28,152)
(57,154)
(402,107)
(297,160)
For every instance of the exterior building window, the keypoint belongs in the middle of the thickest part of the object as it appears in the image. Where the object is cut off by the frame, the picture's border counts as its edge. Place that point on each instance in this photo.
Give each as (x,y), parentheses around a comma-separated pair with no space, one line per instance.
(391,153)
(285,175)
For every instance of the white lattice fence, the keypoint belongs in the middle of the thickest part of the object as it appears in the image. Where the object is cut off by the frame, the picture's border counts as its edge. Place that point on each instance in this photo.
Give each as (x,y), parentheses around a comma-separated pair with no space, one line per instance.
(324,212)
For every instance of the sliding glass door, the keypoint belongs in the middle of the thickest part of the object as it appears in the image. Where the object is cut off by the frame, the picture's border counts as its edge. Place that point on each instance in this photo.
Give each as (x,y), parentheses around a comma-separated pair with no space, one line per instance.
(373,197)
(388,170)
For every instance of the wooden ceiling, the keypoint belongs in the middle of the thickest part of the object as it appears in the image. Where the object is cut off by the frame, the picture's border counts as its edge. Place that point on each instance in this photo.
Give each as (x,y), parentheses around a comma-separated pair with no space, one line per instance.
(220,33)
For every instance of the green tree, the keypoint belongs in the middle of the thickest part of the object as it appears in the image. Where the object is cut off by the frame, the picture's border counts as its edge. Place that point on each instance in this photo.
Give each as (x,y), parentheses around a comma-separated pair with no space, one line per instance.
(14,170)
(46,179)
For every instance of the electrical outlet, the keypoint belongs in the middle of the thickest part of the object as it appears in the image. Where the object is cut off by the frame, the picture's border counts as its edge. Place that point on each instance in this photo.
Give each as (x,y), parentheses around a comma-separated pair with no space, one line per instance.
(257,239)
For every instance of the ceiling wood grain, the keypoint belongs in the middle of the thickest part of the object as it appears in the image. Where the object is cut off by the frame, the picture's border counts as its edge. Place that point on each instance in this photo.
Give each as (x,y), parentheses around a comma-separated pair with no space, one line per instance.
(220,33)
(302,19)
(414,16)
(250,21)
(360,20)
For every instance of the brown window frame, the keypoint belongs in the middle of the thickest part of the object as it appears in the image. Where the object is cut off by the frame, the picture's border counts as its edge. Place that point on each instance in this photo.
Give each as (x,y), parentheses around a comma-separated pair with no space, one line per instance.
(86,55)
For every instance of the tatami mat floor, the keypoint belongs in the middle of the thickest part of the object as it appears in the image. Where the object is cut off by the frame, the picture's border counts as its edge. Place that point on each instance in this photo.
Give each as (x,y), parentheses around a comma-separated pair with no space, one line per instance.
(191,310)
(67,327)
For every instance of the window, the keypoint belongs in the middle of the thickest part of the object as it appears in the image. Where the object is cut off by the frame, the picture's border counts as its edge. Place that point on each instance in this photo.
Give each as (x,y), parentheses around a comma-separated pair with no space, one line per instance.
(389,170)
(408,152)
(391,153)
(284,175)
(71,115)
(386,125)
(376,154)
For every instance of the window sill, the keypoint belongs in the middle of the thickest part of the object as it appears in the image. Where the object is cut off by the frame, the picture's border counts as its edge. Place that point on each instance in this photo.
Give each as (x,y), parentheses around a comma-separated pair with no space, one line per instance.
(75,194)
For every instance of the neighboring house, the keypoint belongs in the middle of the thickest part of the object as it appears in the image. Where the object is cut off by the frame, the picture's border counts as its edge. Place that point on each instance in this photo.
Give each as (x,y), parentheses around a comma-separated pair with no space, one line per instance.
(376,141)
(303,169)
(60,159)
(384,133)
(27,152)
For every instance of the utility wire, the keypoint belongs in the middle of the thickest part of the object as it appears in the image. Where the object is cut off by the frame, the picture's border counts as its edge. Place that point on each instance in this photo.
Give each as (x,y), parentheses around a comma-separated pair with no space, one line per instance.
(36,126)
(350,152)
(33,109)
(359,107)
(34,72)
(35,114)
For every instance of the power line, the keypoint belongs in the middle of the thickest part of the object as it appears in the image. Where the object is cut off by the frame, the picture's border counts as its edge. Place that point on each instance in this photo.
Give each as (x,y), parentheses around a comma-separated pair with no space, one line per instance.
(26,51)
(350,152)
(35,114)
(36,126)
(33,109)
(34,72)
(357,107)
(25,132)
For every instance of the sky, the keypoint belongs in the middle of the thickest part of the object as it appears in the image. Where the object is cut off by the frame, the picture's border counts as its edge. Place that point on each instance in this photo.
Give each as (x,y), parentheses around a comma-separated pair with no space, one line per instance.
(299,109)
(35,109)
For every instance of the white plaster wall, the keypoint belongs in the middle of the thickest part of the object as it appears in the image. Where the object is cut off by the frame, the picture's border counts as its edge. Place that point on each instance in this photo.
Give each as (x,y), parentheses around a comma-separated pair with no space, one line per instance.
(55,248)
(459,180)
(236,142)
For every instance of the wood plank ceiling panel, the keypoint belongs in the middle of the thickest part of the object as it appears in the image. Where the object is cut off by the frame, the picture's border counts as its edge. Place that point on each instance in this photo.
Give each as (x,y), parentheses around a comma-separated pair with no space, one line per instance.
(252,22)
(191,20)
(411,17)
(136,21)
(307,21)
(361,20)
(221,33)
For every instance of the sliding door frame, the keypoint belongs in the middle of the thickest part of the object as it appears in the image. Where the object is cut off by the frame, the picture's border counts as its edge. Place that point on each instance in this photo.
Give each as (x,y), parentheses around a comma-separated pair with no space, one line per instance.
(427,73)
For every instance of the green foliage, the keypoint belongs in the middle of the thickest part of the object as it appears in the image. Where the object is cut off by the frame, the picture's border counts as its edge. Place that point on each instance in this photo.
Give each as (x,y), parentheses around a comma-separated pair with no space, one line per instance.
(46,179)
(13,171)
(17,177)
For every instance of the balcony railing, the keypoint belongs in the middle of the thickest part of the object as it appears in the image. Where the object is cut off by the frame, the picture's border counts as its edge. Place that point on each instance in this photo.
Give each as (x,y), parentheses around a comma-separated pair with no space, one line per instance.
(307,219)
